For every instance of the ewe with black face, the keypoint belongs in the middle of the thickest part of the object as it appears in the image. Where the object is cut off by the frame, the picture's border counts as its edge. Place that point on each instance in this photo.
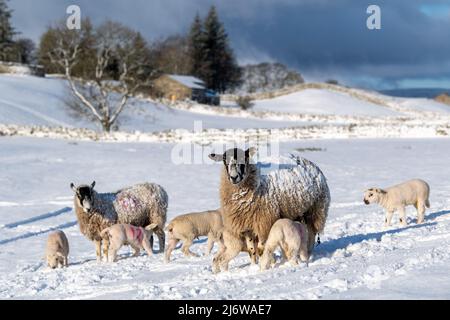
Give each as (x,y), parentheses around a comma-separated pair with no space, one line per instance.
(298,190)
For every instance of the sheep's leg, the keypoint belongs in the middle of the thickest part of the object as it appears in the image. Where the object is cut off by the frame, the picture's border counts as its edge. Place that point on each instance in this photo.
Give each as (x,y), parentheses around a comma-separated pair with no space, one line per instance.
(402,214)
(187,243)
(230,253)
(112,255)
(105,244)
(98,250)
(388,218)
(311,240)
(210,244)
(136,249)
(151,242)
(161,237)
(253,257)
(66,262)
(172,244)
(420,212)
(147,247)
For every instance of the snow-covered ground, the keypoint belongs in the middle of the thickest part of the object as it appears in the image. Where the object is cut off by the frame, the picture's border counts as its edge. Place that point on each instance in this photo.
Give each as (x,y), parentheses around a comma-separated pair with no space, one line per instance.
(357,257)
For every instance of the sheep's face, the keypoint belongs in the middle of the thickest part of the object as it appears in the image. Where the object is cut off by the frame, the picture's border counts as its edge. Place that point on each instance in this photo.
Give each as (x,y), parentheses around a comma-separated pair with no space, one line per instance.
(84,196)
(236,162)
(54,260)
(373,195)
(251,241)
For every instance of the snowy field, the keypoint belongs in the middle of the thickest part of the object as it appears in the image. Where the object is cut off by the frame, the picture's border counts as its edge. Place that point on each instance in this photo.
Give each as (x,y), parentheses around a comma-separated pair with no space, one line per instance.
(357,259)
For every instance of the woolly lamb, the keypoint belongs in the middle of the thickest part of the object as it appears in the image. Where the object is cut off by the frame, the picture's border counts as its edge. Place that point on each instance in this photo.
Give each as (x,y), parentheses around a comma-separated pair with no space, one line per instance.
(139,205)
(125,234)
(189,226)
(414,192)
(231,246)
(291,237)
(298,190)
(57,250)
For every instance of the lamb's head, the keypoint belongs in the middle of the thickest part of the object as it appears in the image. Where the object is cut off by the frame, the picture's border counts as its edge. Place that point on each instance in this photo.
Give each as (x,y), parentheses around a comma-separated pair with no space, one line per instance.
(236,162)
(54,260)
(373,195)
(251,241)
(84,196)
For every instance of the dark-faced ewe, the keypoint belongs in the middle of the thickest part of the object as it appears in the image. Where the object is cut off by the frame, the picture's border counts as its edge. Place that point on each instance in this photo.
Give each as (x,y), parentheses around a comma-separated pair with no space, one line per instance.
(139,205)
(250,200)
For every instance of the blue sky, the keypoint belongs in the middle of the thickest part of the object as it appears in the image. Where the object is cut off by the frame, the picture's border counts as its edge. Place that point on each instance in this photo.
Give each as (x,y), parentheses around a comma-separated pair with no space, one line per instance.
(321,38)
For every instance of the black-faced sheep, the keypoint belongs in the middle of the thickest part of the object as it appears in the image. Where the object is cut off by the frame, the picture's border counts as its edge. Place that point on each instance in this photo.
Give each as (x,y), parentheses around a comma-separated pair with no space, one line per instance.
(57,250)
(250,200)
(413,192)
(187,227)
(139,205)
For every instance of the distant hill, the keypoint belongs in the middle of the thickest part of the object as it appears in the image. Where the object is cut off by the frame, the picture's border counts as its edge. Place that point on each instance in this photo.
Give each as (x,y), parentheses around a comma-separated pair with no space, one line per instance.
(416,92)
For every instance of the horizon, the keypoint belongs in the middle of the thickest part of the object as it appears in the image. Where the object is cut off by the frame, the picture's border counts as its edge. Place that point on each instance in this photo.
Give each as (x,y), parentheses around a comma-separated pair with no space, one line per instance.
(320,39)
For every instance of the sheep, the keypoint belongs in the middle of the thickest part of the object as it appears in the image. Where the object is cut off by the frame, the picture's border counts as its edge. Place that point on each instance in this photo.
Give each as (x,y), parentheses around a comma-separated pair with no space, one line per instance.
(126,234)
(414,192)
(139,205)
(291,237)
(231,246)
(57,250)
(189,226)
(298,190)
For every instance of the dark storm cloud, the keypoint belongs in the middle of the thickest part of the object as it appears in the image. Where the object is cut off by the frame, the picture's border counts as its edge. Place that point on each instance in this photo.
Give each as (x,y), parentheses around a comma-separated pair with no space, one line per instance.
(322,38)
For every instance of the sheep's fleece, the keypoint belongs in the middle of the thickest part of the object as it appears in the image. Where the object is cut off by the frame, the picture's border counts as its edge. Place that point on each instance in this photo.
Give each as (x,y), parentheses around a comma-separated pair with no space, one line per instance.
(125,204)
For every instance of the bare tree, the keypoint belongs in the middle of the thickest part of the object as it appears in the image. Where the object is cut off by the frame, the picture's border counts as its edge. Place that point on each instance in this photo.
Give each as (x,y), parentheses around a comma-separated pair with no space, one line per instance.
(122,67)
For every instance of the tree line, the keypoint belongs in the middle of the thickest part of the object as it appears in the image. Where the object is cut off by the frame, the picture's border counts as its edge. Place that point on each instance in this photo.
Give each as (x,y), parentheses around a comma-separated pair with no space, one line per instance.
(12,47)
(107,64)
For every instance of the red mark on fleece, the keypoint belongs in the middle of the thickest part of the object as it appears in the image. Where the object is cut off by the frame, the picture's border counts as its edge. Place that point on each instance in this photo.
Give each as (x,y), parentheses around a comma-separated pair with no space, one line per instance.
(136,233)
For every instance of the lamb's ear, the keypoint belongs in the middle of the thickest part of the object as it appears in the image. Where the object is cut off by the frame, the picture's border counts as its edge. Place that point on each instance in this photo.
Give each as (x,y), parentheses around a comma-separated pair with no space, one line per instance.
(216,157)
(152,226)
(72,186)
(382,191)
(93,185)
(251,152)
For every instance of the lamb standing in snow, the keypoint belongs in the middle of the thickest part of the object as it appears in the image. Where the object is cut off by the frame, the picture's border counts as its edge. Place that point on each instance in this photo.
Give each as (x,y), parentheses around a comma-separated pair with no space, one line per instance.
(119,235)
(57,250)
(291,237)
(414,192)
(139,205)
(189,226)
(252,201)
(246,242)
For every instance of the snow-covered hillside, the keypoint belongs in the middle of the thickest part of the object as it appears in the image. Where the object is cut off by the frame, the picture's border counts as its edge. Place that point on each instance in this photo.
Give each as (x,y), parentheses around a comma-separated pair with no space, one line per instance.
(27,102)
(357,257)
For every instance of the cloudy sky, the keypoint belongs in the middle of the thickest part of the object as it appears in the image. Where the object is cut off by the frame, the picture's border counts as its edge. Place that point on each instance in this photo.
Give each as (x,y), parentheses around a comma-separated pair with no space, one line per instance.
(321,38)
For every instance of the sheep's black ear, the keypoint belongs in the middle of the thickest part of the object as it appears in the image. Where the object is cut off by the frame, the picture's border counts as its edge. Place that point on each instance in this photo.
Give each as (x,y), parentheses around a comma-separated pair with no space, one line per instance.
(72,186)
(216,157)
(93,185)
(251,152)
(382,191)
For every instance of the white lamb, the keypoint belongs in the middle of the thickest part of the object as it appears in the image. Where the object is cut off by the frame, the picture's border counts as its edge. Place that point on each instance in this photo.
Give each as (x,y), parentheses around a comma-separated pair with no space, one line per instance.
(119,235)
(291,237)
(189,226)
(414,192)
(57,250)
